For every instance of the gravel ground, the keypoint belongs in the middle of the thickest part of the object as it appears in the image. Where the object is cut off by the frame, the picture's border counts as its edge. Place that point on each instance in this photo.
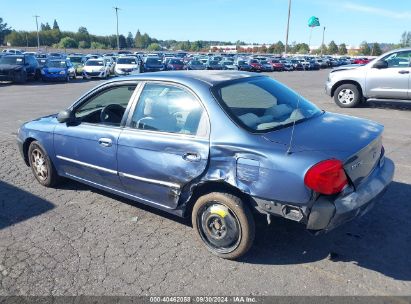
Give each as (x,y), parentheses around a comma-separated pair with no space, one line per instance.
(75,240)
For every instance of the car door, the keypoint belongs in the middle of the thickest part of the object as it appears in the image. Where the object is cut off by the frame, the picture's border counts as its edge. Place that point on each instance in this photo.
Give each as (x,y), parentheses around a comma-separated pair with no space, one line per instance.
(165,144)
(392,81)
(86,148)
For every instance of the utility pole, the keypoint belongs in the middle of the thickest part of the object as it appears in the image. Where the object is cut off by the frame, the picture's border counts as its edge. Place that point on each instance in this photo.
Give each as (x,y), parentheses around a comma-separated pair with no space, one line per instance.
(38,37)
(288,26)
(322,44)
(118,40)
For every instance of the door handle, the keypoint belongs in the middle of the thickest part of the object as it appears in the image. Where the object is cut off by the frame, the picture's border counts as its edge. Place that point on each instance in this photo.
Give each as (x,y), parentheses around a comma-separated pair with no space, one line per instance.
(105,142)
(404,72)
(191,156)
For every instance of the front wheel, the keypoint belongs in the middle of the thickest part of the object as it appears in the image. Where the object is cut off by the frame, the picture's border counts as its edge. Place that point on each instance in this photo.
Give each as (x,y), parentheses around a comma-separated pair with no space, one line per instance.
(347,96)
(41,165)
(224,224)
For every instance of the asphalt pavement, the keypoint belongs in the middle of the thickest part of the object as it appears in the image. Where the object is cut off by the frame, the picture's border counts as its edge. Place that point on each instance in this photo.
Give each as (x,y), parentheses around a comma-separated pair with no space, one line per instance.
(75,240)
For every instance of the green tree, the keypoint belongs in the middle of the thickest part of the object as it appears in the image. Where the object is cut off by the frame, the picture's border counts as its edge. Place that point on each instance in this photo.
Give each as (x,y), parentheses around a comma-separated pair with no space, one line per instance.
(376,49)
(130,40)
(332,48)
(146,40)
(4,30)
(342,49)
(405,39)
(138,40)
(323,49)
(122,41)
(154,47)
(45,27)
(55,25)
(97,45)
(68,42)
(83,44)
(365,48)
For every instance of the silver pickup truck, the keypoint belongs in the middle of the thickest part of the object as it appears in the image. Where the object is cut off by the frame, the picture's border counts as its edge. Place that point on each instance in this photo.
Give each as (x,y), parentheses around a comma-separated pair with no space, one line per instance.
(386,77)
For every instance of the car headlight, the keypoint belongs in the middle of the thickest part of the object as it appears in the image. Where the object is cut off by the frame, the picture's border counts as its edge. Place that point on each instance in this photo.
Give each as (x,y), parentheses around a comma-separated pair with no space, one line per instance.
(62,72)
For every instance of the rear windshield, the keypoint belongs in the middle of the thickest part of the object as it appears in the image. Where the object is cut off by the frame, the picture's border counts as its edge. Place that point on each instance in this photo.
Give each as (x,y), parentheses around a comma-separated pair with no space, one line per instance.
(76,59)
(126,61)
(11,60)
(261,104)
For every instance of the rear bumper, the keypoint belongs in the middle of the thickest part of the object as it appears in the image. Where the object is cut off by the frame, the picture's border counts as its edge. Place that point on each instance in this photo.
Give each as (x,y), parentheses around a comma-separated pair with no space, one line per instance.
(329,212)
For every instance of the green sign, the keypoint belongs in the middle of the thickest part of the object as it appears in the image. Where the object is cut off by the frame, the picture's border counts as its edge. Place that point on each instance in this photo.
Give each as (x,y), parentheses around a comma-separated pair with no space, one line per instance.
(313,22)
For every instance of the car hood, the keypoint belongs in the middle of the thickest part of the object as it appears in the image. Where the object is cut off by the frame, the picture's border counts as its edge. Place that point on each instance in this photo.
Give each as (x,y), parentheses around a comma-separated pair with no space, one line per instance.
(10,66)
(336,135)
(54,70)
(126,66)
(346,67)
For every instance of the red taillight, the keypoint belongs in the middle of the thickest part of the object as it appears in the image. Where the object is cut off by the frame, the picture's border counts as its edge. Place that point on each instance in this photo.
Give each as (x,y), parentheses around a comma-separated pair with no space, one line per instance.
(326,177)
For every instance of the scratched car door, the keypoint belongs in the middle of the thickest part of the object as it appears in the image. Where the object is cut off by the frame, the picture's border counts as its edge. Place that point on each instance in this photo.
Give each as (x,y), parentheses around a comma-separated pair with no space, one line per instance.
(165,144)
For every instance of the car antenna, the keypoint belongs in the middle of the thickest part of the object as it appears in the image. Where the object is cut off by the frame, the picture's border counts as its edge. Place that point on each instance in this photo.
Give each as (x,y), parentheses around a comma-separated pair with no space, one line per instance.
(292,130)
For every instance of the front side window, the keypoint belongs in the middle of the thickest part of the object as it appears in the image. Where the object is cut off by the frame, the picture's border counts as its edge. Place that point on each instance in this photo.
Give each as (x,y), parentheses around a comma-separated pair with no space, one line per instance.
(261,104)
(171,109)
(399,59)
(107,107)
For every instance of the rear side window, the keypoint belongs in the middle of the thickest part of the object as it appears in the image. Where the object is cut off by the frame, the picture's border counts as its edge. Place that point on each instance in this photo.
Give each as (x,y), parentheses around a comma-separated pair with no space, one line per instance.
(261,104)
(170,109)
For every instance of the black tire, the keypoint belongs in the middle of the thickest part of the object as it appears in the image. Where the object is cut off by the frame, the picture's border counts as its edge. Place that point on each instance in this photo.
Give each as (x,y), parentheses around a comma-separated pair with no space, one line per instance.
(224,224)
(347,96)
(38,158)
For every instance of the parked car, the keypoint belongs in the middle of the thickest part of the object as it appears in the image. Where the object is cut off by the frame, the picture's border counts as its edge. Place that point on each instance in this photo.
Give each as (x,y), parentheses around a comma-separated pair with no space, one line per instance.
(78,62)
(18,68)
(287,65)
(266,66)
(363,60)
(42,62)
(278,155)
(195,65)
(386,77)
(255,65)
(56,69)
(174,64)
(242,65)
(228,65)
(297,65)
(313,65)
(276,64)
(12,51)
(126,65)
(95,68)
(213,65)
(153,64)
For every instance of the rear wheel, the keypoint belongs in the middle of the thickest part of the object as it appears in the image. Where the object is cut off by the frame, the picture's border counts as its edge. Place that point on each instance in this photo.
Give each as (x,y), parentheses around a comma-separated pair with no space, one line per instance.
(41,165)
(347,96)
(224,224)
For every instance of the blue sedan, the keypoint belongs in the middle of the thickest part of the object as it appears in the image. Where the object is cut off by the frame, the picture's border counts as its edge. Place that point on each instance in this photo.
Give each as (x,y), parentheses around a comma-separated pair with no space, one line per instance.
(218,146)
(62,70)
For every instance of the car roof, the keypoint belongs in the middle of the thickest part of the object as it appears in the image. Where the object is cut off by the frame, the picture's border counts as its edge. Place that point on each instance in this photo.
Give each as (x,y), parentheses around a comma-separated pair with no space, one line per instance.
(208,77)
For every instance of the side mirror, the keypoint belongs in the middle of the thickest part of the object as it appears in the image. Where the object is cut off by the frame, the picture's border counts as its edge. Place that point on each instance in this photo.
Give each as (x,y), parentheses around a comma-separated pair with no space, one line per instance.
(380,64)
(65,116)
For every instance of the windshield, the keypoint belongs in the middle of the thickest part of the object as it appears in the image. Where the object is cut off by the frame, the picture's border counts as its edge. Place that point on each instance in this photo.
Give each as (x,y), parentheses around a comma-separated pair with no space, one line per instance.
(213,62)
(195,62)
(56,64)
(126,61)
(153,61)
(11,60)
(76,59)
(261,104)
(95,63)
(176,61)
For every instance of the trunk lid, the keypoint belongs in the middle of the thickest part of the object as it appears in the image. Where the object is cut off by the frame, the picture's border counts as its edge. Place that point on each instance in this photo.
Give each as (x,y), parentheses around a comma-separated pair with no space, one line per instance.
(356,142)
